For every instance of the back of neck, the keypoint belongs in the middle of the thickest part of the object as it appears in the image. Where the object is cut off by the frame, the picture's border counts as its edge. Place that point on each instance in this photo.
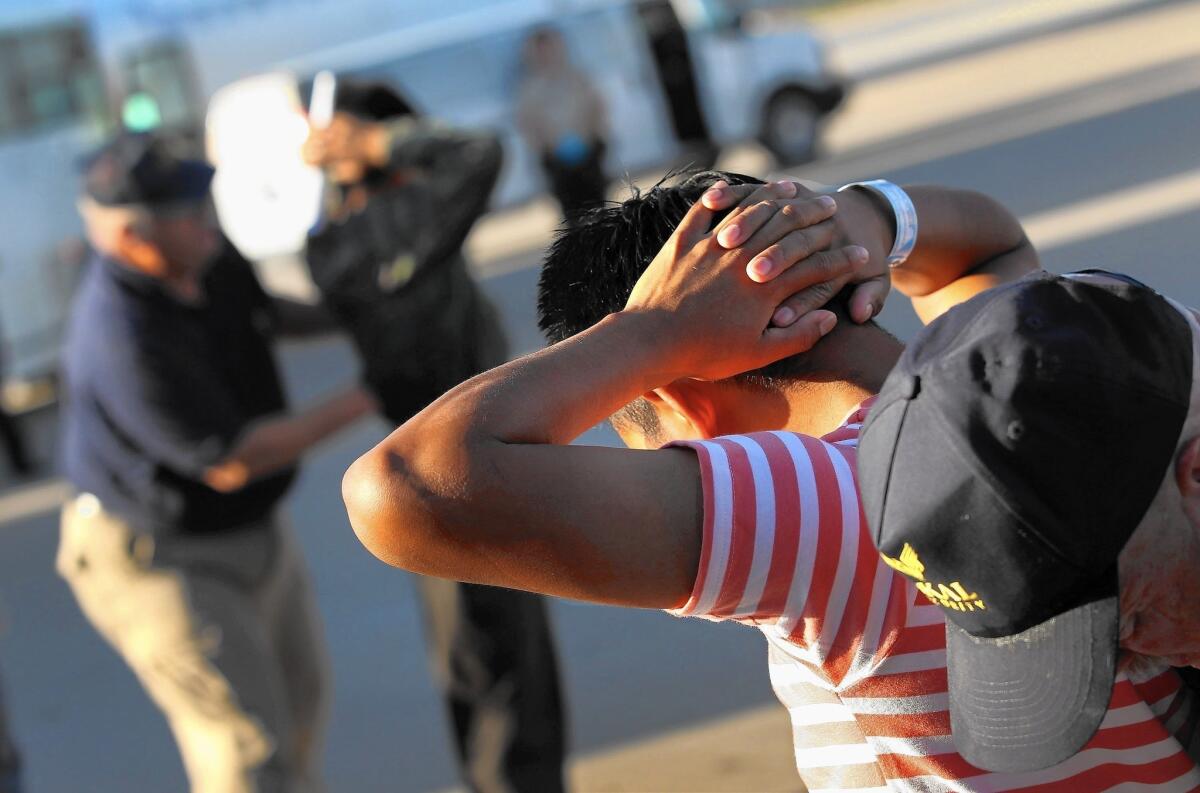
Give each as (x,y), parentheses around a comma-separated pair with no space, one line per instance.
(819,404)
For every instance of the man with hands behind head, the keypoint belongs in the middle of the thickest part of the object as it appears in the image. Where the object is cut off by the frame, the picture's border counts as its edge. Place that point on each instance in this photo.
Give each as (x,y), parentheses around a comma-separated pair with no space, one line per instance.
(701,332)
(1032,466)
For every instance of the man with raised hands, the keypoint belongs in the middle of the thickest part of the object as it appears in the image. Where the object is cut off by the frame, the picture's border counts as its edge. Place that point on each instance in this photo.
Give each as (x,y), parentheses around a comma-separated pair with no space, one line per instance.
(704,334)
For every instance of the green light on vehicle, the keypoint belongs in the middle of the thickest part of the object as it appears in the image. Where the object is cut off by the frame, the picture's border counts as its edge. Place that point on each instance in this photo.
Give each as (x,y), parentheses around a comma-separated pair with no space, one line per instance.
(140,113)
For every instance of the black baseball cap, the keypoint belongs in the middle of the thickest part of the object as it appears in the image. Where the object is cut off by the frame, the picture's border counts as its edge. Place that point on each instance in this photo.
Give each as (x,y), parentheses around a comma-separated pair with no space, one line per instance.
(1012,452)
(144,170)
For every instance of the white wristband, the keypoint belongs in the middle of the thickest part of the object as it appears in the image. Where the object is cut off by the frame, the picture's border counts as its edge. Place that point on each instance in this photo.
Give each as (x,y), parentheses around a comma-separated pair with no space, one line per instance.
(904,211)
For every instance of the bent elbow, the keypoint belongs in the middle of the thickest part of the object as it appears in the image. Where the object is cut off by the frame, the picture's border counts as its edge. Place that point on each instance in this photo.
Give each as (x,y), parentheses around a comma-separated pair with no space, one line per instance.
(367,490)
(412,508)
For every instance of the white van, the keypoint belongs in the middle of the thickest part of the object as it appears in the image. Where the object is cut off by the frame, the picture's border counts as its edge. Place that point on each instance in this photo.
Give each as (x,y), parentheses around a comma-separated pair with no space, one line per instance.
(681,78)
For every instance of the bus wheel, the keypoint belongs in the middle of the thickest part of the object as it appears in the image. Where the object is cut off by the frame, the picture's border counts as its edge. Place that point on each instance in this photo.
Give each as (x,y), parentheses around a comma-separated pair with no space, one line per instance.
(790,124)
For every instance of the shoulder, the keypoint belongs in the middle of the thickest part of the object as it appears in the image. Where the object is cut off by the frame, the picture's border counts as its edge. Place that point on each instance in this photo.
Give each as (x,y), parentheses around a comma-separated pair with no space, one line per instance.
(779,477)
(780,510)
(116,340)
(763,454)
(103,317)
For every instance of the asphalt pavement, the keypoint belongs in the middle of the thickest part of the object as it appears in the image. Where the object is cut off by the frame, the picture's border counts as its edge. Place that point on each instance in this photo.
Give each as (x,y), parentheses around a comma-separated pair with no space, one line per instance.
(631,676)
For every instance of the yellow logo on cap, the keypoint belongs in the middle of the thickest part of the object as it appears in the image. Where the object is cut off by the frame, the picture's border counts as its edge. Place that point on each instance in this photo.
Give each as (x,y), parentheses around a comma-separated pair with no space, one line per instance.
(908,563)
(952,596)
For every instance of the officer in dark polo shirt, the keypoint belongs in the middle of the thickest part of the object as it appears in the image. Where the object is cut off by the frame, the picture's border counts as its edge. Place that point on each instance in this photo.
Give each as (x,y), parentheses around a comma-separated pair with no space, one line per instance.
(176,439)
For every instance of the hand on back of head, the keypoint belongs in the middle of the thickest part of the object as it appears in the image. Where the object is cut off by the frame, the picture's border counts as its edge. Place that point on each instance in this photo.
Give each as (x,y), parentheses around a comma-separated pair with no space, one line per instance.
(749,291)
(763,214)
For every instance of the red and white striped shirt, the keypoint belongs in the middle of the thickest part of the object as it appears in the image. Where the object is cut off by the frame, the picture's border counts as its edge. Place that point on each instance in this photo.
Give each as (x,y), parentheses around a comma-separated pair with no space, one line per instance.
(858,655)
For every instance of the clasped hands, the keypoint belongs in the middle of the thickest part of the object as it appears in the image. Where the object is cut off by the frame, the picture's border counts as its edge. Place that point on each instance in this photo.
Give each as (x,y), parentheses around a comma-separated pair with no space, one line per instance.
(750,290)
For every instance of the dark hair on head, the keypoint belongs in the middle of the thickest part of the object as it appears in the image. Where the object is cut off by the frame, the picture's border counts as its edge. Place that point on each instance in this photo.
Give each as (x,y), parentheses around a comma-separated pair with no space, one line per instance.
(591,268)
(373,101)
(592,265)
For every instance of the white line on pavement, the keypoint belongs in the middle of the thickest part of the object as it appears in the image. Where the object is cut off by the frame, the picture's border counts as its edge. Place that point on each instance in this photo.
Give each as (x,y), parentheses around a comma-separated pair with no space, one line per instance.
(1115,211)
(867,47)
(521,248)
(1002,126)
(907,103)
(37,499)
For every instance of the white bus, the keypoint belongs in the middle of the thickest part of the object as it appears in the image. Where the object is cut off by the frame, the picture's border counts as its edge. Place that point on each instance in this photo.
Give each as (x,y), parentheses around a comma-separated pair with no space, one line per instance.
(52,109)
(681,78)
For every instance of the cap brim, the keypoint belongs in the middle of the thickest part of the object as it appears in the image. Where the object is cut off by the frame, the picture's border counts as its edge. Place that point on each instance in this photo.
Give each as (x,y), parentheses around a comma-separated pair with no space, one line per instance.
(1031,700)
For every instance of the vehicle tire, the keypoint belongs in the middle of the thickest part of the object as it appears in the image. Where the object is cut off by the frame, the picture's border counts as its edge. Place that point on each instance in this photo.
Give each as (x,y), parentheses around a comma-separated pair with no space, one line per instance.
(791,121)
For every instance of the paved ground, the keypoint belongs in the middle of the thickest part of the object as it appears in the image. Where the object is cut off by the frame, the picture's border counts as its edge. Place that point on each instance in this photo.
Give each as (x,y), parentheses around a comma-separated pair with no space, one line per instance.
(1101,162)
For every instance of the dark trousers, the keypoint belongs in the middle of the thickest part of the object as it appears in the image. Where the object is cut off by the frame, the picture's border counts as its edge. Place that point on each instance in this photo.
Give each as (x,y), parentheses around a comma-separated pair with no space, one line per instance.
(580,186)
(10,761)
(489,649)
(14,445)
(492,655)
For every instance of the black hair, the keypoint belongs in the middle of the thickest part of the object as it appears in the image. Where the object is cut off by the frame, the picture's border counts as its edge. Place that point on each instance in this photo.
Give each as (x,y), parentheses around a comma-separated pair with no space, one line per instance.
(592,265)
(373,101)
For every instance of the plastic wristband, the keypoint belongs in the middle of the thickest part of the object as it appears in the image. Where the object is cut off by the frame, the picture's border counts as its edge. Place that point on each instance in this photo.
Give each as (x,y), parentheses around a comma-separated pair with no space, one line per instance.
(903,209)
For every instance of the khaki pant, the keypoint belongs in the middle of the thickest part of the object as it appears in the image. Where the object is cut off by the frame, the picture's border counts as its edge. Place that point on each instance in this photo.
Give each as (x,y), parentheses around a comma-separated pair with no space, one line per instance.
(222,632)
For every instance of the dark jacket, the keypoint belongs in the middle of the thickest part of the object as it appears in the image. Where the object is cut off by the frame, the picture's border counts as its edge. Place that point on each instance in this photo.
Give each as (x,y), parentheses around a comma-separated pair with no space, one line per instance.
(394,276)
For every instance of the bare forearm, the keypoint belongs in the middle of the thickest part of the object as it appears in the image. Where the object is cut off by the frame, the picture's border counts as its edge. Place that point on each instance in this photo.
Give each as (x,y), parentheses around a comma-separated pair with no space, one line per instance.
(462,476)
(280,442)
(551,396)
(481,486)
(961,234)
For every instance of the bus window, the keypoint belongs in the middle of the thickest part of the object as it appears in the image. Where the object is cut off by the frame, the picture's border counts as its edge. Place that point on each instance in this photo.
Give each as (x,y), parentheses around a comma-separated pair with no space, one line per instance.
(49,77)
(44,60)
(162,74)
(9,114)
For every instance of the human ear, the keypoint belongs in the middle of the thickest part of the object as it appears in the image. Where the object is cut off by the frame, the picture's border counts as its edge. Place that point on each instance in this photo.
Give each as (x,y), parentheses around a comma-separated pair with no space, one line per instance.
(1187,472)
(686,409)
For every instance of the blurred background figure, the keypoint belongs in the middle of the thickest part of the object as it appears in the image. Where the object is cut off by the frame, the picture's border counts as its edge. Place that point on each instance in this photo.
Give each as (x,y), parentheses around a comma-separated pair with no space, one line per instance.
(10,435)
(564,121)
(675,61)
(389,265)
(10,761)
(177,445)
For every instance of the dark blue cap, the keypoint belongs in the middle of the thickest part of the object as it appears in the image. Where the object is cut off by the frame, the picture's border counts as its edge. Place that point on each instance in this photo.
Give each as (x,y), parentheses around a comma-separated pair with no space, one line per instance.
(143,170)
(1012,452)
